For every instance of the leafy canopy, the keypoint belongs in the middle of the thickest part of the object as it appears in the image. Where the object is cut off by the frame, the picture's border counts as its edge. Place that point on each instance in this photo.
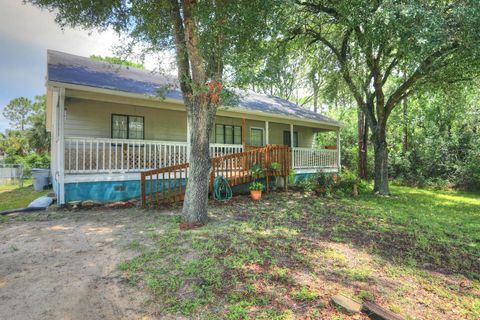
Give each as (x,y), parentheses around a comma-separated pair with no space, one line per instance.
(119,61)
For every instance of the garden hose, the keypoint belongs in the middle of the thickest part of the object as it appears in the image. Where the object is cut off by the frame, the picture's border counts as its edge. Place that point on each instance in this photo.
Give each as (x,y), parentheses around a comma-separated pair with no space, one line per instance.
(221,189)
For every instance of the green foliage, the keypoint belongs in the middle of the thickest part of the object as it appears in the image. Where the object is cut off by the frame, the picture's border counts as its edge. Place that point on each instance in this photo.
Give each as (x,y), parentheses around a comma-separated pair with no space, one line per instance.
(304,294)
(256,171)
(275,166)
(119,61)
(17,112)
(33,160)
(443,139)
(307,184)
(29,147)
(326,181)
(37,135)
(346,182)
(256,186)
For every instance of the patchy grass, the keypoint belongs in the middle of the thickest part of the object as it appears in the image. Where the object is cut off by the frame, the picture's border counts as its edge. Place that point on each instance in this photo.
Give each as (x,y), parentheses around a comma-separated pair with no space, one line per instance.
(12,196)
(415,252)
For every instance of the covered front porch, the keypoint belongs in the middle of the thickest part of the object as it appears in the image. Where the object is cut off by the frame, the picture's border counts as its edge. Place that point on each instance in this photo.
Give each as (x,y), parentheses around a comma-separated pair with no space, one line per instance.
(102,143)
(115,140)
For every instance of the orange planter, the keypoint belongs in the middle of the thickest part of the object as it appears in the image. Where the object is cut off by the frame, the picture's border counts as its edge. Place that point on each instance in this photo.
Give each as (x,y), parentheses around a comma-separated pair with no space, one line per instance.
(256,194)
(331,147)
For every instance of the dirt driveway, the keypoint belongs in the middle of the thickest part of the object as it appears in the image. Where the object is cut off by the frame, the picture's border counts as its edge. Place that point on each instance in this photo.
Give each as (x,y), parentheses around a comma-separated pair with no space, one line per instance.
(65,266)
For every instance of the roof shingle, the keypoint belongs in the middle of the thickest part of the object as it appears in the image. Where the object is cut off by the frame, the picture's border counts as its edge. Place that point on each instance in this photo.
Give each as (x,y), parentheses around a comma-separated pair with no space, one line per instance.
(72,69)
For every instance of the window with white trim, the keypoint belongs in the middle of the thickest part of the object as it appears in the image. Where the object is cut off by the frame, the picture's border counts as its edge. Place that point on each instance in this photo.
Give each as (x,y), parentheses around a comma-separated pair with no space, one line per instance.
(256,137)
(228,134)
(127,127)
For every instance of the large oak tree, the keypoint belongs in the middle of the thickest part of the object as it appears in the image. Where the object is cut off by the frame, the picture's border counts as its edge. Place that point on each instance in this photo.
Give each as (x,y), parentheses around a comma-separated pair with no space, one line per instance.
(205,36)
(385,49)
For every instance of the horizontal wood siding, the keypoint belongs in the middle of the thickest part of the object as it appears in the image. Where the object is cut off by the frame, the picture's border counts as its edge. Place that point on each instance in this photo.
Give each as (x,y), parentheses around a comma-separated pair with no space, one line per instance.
(88,118)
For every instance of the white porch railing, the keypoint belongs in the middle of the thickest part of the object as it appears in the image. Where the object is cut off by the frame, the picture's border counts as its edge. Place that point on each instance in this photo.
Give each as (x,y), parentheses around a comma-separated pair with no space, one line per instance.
(218,149)
(307,158)
(102,155)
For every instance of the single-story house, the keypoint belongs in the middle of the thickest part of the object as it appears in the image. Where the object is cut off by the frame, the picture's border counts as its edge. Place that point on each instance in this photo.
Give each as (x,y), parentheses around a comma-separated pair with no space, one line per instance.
(108,123)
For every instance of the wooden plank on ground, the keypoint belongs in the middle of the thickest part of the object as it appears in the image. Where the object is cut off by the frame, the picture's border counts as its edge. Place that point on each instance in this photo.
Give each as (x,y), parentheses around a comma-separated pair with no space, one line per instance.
(375,311)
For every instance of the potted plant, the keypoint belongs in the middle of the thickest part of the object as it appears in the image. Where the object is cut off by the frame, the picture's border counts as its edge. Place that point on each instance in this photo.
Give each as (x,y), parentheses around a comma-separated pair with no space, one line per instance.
(256,171)
(256,190)
(274,168)
(255,187)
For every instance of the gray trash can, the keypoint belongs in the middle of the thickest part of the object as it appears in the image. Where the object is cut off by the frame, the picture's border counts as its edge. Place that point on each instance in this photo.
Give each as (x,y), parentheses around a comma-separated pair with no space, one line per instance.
(40,179)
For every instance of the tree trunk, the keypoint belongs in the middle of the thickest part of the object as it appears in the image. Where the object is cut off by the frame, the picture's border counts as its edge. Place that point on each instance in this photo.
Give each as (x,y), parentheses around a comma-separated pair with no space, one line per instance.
(362,145)
(200,122)
(381,161)
(405,125)
(315,97)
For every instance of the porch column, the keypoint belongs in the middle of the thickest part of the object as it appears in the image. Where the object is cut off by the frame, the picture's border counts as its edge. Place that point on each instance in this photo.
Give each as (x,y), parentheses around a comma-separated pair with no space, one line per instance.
(292,144)
(60,142)
(188,141)
(339,164)
(266,133)
(244,133)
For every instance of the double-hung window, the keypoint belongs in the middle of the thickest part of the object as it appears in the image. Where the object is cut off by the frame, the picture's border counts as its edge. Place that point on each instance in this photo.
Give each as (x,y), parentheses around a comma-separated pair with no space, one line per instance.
(127,127)
(228,134)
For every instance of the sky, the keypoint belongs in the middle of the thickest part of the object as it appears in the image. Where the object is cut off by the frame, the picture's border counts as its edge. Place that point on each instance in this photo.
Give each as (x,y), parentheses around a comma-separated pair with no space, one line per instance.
(26,32)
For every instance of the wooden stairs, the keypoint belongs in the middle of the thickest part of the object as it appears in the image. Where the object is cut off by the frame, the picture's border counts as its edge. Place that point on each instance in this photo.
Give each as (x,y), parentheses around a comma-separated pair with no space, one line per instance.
(168,184)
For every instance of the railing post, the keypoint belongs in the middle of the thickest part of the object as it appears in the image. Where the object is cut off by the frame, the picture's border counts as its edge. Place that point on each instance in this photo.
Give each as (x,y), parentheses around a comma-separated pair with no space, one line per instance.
(339,164)
(212,175)
(142,186)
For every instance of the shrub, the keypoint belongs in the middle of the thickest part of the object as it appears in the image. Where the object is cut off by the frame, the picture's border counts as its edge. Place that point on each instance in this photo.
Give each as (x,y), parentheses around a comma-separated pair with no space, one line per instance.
(256,186)
(307,184)
(256,171)
(347,180)
(275,166)
(32,160)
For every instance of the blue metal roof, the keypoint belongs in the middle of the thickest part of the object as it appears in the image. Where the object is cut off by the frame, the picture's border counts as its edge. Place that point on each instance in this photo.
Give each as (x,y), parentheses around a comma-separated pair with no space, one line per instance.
(72,69)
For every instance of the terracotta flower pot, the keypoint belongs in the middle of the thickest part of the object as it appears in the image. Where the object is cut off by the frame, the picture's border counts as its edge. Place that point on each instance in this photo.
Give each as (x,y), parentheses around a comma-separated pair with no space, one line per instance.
(331,147)
(320,190)
(256,194)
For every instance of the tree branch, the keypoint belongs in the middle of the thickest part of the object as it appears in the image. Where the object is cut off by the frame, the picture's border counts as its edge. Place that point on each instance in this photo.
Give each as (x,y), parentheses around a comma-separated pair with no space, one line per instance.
(389,70)
(180,47)
(423,69)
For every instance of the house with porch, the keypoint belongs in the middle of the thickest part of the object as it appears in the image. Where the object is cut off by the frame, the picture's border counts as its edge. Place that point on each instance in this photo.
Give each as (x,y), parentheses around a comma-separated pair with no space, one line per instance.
(109,124)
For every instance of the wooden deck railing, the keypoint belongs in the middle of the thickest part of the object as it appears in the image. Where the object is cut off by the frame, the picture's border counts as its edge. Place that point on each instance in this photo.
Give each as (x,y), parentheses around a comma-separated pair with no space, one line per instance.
(164,185)
(168,184)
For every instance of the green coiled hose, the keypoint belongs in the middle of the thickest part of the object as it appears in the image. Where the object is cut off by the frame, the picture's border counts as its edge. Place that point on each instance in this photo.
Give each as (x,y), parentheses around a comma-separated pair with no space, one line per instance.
(221,189)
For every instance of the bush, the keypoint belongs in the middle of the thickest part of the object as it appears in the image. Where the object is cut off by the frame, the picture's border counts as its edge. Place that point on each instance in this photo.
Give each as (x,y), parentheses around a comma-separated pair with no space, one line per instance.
(32,160)
(307,184)
(275,166)
(256,171)
(256,186)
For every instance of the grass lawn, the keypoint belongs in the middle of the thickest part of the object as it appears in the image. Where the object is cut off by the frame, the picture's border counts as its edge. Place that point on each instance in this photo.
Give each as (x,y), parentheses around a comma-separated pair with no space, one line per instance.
(12,196)
(416,252)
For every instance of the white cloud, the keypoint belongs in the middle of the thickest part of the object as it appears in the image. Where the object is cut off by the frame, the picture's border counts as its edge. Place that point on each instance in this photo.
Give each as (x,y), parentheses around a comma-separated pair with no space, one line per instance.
(26,32)
(33,26)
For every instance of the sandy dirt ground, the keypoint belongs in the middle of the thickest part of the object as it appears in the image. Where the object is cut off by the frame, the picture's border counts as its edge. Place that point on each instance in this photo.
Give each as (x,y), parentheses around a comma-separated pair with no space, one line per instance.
(65,266)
